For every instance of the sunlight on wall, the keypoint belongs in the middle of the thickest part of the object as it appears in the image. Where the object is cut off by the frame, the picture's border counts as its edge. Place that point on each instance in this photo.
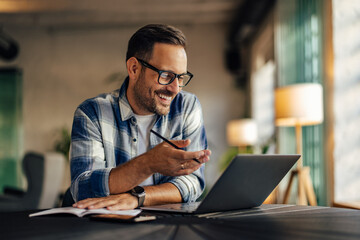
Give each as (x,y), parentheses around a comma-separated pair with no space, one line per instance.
(263,100)
(346,21)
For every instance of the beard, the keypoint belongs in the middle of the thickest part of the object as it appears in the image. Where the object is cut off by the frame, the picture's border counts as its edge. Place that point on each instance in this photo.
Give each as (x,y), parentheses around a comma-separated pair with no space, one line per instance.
(145,97)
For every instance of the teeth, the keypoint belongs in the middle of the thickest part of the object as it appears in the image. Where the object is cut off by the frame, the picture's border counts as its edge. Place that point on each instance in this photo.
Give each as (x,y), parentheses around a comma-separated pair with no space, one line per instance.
(163,96)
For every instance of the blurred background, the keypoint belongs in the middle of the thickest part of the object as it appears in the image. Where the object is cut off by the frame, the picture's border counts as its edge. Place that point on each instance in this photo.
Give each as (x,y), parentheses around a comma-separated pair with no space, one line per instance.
(56,54)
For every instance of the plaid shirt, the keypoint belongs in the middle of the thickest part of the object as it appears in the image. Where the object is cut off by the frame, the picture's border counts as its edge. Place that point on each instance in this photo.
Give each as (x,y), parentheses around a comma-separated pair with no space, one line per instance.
(104,135)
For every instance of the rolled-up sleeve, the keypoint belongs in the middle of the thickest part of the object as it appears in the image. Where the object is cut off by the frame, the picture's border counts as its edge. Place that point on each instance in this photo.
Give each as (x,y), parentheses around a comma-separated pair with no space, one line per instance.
(189,186)
(89,175)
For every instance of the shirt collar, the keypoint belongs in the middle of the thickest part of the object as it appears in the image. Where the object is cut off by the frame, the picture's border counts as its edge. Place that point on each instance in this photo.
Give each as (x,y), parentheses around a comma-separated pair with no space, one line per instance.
(125,109)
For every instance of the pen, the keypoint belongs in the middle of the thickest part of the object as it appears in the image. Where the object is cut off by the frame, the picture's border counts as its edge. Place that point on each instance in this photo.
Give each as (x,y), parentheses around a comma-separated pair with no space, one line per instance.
(171,143)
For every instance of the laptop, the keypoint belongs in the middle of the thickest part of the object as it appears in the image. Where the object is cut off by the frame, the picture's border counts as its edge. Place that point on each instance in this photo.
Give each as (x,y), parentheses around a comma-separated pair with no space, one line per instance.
(246,183)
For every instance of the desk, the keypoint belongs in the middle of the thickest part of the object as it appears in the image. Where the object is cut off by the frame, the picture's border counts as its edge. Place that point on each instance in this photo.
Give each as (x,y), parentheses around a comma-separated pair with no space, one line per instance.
(265,222)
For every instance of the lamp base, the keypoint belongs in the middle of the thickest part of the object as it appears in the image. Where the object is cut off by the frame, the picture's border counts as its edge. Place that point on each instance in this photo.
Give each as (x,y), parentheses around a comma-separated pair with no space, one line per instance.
(305,189)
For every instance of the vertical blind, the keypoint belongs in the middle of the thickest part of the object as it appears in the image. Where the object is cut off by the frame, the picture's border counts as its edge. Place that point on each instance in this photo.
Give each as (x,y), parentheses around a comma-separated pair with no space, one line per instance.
(10,126)
(298,46)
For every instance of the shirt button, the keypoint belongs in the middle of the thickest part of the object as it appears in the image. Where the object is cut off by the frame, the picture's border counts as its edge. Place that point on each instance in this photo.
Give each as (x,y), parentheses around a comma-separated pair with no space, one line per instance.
(133,121)
(134,140)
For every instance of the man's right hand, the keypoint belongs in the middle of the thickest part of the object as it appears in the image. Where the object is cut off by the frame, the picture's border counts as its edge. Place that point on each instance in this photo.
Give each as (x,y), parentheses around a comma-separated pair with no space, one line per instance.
(169,161)
(163,159)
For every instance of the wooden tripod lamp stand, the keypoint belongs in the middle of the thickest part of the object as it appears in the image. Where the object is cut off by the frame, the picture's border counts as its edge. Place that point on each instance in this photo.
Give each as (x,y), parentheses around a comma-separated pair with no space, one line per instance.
(296,106)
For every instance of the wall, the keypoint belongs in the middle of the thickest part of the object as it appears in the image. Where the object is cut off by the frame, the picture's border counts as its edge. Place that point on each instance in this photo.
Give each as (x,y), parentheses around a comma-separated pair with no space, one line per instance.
(64,67)
(346,109)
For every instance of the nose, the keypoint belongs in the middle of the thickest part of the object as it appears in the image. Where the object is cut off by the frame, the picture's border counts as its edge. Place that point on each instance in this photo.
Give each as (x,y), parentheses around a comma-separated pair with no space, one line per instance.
(174,86)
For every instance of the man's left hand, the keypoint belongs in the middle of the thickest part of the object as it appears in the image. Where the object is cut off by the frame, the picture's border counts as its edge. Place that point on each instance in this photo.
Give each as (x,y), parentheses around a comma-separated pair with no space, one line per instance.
(123,201)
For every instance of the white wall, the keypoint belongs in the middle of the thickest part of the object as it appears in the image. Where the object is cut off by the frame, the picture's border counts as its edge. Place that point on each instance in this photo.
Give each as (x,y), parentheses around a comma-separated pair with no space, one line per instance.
(346,109)
(62,68)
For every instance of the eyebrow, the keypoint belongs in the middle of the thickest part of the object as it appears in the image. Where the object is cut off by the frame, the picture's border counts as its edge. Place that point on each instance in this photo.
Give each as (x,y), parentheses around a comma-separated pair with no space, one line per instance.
(170,70)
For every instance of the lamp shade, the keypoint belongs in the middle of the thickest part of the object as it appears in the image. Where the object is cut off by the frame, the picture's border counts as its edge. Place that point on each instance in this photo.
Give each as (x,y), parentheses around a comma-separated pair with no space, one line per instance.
(299,104)
(242,132)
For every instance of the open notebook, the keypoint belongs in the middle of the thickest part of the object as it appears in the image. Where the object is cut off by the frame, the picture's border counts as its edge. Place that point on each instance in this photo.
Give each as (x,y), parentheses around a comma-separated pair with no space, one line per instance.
(246,183)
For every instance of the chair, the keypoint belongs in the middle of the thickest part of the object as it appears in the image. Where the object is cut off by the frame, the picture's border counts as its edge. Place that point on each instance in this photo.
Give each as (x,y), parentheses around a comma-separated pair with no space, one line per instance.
(68,200)
(44,174)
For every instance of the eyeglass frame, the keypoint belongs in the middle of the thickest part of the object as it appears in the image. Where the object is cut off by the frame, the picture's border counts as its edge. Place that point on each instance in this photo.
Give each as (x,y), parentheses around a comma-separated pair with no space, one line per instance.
(146,64)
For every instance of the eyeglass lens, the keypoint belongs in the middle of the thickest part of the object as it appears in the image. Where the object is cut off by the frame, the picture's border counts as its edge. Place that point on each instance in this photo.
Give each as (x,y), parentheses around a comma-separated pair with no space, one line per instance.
(167,77)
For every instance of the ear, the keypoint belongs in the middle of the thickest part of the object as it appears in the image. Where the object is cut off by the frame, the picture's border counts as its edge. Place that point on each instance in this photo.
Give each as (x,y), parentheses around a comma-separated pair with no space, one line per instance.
(133,68)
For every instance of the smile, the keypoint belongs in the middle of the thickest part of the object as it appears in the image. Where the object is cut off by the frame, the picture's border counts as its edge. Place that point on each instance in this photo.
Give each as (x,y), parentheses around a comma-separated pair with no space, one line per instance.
(164,97)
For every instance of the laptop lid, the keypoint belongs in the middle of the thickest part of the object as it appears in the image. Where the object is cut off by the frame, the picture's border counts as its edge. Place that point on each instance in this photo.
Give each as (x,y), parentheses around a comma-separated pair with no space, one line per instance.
(246,183)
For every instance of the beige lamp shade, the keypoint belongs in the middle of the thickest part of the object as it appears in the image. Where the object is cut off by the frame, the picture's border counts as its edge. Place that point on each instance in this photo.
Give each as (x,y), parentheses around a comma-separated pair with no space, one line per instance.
(299,104)
(242,132)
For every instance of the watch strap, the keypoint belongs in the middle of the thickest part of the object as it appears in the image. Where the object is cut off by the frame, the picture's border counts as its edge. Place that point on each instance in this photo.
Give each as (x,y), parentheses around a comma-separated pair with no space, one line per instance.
(138,192)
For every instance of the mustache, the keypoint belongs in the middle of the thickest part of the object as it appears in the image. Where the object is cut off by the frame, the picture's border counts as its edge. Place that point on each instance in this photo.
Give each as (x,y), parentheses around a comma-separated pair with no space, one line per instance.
(165,92)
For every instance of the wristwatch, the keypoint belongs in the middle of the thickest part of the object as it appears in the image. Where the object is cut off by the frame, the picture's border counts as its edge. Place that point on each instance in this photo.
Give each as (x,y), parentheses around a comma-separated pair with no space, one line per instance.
(138,192)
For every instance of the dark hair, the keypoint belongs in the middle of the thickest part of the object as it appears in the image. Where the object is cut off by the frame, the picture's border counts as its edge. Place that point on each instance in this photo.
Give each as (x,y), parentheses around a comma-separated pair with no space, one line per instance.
(141,44)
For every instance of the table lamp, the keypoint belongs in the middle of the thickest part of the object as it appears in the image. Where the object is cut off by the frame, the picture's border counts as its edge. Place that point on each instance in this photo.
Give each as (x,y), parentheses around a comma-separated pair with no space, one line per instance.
(299,105)
(242,133)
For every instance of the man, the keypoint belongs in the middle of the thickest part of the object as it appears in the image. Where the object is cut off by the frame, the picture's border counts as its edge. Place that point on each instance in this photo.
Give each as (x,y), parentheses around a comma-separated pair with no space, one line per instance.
(115,161)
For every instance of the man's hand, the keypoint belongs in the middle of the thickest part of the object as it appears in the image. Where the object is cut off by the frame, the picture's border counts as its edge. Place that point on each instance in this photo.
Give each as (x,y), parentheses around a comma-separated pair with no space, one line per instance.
(123,201)
(157,194)
(163,159)
(167,160)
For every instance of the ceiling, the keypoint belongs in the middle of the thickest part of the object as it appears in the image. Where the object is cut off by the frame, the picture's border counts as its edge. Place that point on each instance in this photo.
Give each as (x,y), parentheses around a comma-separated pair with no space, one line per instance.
(92,13)
(241,16)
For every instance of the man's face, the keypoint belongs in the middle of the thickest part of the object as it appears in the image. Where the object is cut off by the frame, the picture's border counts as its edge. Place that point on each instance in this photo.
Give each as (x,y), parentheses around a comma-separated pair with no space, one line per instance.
(148,95)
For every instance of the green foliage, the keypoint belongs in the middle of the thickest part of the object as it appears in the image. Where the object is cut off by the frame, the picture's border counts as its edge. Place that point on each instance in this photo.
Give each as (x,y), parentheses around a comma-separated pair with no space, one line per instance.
(227,157)
(230,154)
(62,144)
(117,77)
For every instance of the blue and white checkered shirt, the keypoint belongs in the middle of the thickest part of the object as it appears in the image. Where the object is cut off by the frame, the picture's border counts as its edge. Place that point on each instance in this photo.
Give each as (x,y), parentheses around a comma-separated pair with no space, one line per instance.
(104,135)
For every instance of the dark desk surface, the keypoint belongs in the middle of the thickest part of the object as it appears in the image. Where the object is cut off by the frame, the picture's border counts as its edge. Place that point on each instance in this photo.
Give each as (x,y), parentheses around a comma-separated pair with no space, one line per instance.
(265,222)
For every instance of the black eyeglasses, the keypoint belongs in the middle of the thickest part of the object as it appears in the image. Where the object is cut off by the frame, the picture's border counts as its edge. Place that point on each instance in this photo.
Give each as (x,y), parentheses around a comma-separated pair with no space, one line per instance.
(167,77)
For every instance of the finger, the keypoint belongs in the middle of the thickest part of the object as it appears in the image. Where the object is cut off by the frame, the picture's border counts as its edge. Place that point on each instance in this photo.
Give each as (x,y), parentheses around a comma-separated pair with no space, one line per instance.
(85,203)
(181,143)
(187,168)
(103,203)
(204,159)
(190,164)
(207,152)
(183,156)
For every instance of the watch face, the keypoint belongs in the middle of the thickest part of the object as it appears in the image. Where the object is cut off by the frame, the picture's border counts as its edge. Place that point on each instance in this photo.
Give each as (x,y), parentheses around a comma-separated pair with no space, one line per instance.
(138,189)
